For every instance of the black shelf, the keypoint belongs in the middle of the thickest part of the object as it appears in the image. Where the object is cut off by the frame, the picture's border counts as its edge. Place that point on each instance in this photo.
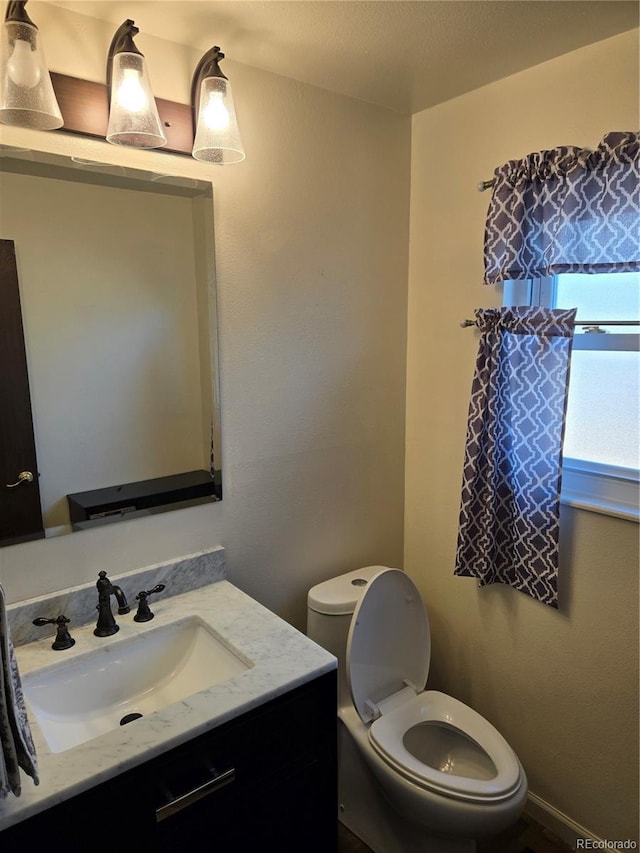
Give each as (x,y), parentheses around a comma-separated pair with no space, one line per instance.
(144,496)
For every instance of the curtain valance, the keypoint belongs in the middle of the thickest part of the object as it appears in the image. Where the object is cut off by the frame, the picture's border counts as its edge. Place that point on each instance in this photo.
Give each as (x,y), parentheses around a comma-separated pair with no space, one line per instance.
(566,210)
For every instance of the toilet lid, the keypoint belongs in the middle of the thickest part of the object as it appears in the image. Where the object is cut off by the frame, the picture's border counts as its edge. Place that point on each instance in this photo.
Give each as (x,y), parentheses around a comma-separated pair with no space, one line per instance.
(389,644)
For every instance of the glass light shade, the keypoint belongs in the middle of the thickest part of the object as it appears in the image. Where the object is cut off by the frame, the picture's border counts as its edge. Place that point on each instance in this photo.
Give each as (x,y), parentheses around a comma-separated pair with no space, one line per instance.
(217,136)
(27,98)
(133,116)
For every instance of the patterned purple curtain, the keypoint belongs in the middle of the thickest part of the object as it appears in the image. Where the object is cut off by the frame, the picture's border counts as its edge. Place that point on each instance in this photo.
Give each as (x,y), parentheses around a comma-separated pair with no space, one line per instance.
(509,513)
(568,210)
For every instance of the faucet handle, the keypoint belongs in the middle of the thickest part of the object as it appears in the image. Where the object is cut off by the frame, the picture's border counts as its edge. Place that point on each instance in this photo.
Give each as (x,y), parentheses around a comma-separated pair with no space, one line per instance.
(63,639)
(144,613)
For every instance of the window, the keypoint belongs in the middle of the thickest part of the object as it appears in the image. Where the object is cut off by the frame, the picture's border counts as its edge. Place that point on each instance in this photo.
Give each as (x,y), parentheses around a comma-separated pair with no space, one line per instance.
(602,436)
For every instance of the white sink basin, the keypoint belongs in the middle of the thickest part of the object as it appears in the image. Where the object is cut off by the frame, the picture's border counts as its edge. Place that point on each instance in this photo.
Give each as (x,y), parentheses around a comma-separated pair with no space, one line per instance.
(78,699)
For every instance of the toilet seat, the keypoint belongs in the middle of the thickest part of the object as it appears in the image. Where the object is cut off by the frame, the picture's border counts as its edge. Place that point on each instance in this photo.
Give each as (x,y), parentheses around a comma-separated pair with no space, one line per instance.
(388,653)
(387,736)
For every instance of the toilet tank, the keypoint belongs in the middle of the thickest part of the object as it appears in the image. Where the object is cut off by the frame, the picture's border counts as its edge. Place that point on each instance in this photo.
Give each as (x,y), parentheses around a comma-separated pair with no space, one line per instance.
(330,605)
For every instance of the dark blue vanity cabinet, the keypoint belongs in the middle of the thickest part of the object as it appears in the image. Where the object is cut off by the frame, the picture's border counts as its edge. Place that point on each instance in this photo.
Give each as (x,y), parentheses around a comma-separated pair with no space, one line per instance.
(264,781)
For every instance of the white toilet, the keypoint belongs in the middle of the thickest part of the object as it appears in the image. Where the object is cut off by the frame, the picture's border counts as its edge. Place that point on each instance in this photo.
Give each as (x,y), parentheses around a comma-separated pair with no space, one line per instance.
(418,770)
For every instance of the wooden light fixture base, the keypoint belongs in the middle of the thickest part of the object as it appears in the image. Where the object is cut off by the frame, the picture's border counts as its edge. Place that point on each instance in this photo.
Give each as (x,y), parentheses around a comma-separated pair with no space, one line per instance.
(85,109)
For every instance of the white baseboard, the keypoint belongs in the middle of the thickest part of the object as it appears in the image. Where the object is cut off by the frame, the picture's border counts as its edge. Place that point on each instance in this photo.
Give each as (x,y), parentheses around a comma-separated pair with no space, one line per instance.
(555,821)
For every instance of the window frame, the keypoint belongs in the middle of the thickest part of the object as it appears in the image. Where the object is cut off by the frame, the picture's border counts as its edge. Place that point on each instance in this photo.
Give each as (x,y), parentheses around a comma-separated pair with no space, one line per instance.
(596,487)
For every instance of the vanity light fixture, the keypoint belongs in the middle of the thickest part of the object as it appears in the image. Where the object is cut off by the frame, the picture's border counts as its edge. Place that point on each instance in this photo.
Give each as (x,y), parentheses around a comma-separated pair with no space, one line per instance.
(133,114)
(124,111)
(216,133)
(27,98)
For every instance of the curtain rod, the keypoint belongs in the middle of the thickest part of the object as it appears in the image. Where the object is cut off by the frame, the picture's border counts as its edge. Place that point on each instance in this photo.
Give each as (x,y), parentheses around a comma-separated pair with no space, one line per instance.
(486,185)
(465,323)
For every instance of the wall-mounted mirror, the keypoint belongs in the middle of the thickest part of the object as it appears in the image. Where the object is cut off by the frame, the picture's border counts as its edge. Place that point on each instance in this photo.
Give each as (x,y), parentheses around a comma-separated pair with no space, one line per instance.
(116,283)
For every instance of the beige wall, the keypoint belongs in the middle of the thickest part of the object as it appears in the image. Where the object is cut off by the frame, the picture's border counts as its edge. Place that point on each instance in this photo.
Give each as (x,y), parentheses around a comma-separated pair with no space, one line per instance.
(311,235)
(561,686)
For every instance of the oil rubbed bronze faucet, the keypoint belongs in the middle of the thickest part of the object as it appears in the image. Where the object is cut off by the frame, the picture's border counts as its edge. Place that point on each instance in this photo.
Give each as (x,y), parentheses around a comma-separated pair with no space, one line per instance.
(106,624)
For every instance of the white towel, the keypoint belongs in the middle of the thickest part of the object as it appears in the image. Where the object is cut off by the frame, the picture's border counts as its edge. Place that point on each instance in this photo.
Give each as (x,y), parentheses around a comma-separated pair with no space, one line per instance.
(16,741)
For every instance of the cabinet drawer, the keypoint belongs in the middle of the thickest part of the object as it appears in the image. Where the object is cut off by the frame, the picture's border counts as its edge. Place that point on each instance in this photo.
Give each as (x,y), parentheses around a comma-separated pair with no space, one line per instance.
(212,776)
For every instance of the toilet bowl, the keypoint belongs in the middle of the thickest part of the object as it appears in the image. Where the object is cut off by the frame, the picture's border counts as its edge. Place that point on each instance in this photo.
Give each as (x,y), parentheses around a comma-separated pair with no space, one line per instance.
(419,770)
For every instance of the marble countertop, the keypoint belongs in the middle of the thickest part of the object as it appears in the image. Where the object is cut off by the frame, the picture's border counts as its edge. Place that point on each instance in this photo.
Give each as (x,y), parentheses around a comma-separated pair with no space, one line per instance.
(282,657)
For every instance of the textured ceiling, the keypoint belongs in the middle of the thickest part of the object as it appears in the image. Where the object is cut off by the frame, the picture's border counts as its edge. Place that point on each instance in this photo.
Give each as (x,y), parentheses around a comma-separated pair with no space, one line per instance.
(406,56)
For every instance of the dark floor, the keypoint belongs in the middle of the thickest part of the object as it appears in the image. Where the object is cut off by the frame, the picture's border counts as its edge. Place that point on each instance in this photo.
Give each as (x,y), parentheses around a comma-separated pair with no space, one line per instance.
(526,836)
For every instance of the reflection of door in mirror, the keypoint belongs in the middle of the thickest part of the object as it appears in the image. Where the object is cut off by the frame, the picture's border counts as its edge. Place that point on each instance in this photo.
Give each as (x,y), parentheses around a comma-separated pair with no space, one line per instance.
(20,515)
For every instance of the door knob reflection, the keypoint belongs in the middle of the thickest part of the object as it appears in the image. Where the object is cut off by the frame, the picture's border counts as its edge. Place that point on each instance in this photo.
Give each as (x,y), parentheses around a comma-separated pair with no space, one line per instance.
(23,477)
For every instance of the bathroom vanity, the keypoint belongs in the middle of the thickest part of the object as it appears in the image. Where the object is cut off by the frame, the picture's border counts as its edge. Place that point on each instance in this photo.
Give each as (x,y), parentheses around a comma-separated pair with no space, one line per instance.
(248,762)
(265,781)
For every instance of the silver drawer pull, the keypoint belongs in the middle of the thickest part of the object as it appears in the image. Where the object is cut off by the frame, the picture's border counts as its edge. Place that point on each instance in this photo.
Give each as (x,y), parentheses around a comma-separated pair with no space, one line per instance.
(196,794)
